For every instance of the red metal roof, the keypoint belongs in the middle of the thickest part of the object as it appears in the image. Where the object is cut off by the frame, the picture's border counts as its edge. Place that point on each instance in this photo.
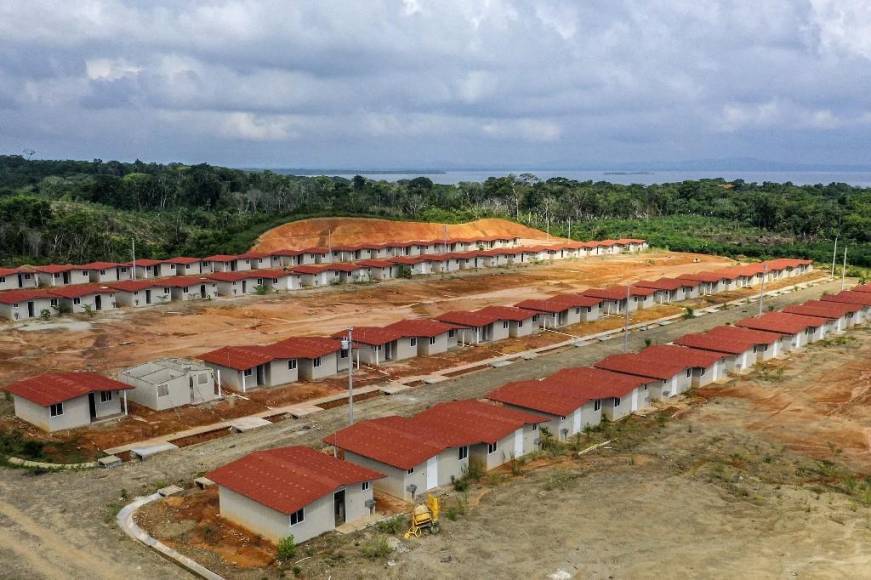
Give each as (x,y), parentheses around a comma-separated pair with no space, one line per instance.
(575,300)
(8,271)
(552,397)
(252,255)
(392,440)
(17,296)
(421,327)
(57,268)
(467,318)
(184,281)
(306,346)
(863,288)
(706,341)
(609,293)
(543,305)
(781,322)
(239,358)
(144,262)
(862,298)
(183,260)
(642,366)
(371,335)
(469,422)
(843,307)
(135,285)
(100,265)
(829,310)
(52,388)
(507,313)
(220,258)
(710,277)
(79,290)
(747,334)
(289,478)
(664,284)
(681,355)
(375,263)
(598,383)
(237,276)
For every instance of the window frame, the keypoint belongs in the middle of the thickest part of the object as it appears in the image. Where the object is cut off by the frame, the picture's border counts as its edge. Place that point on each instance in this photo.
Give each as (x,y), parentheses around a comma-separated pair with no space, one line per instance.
(56,410)
(298,515)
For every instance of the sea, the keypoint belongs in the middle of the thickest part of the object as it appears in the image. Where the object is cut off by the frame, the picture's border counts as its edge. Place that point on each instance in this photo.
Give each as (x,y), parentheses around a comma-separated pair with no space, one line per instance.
(855,178)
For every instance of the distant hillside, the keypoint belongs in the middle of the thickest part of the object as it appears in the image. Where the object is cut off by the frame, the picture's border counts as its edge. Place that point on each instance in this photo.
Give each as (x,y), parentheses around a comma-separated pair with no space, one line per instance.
(320,231)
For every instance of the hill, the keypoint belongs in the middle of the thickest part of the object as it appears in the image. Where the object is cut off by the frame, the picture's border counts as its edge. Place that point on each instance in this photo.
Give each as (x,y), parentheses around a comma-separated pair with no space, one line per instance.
(323,231)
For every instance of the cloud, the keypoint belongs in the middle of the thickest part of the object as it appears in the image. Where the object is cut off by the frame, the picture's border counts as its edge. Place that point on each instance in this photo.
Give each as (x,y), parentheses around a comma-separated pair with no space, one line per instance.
(391,82)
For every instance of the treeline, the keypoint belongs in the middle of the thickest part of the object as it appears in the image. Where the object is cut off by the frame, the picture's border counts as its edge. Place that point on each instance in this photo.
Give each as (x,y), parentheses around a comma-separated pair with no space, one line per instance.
(84,210)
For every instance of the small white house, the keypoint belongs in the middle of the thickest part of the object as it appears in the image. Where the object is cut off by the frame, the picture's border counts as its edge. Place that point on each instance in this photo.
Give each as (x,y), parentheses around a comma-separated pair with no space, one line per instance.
(171,382)
(27,304)
(294,491)
(136,293)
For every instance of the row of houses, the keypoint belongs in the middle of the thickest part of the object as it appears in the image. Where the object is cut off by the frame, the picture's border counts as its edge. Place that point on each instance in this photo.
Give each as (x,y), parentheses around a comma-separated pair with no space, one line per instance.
(168,383)
(311,358)
(54,275)
(274,493)
(47,290)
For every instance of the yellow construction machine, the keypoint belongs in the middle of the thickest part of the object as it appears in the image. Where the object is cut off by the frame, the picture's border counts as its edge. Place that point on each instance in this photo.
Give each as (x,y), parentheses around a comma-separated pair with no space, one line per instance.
(424,517)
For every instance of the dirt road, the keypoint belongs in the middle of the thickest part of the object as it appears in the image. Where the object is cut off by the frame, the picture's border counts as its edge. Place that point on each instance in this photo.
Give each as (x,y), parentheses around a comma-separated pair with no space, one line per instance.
(76,506)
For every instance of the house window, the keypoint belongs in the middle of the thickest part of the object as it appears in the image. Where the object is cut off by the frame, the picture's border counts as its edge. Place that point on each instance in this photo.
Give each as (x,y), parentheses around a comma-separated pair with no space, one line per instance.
(577,310)
(162,390)
(491,447)
(297,517)
(410,471)
(535,426)
(105,396)
(432,340)
(291,364)
(365,486)
(248,372)
(316,362)
(343,353)
(689,372)
(519,324)
(452,333)
(54,302)
(462,453)
(597,405)
(504,324)
(77,300)
(413,341)
(616,401)
(56,410)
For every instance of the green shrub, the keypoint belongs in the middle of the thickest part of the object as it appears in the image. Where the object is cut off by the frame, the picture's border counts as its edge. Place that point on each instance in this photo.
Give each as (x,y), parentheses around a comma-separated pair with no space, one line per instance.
(393,526)
(45,314)
(403,272)
(688,313)
(286,549)
(376,547)
(261,290)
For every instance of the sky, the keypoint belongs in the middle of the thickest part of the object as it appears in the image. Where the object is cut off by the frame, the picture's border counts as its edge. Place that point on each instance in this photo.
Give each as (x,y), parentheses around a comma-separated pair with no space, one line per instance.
(440,83)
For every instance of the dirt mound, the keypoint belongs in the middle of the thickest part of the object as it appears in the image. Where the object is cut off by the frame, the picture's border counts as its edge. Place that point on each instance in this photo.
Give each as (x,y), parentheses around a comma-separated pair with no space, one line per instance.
(321,231)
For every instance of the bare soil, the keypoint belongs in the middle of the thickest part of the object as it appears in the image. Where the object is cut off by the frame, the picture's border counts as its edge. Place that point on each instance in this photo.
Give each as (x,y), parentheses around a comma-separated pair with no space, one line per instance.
(322,231)
(716,484)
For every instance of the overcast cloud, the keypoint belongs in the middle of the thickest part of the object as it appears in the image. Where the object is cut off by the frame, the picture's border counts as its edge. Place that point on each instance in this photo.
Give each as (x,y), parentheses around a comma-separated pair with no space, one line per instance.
(399,83)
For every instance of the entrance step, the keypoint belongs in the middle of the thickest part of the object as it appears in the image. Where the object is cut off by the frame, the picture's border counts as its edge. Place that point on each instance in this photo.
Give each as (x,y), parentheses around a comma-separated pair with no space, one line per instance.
(244,424)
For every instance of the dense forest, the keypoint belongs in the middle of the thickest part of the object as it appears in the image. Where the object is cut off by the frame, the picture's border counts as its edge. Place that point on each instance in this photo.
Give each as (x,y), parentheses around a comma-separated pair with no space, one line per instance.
(78,211)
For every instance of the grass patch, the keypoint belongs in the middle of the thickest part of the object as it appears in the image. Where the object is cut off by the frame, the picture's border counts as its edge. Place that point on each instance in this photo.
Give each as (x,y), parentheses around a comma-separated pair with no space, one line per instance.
(376,548)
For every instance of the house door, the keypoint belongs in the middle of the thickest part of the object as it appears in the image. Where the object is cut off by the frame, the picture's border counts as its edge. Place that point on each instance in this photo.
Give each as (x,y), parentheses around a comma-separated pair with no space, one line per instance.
(92,406)
(518,443)
(203,291)
(148,296)
(261,375)
(576,421)
(31,311)
(244,286)
(388,351)
(432,472)
(634,406)
(66,276)
(98,302)
(339,507)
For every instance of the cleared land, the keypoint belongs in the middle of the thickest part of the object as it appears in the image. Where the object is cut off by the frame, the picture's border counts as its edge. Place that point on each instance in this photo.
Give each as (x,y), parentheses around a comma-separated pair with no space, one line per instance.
(715,485)
(125,338)
(56,517)
(323,231)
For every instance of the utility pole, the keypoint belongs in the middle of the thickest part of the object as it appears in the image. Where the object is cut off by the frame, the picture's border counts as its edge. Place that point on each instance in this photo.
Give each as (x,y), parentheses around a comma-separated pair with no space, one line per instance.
(844,269)
(570,228)
(133,277)
(762,286)
(348,345)
(626,321)
(834,257)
